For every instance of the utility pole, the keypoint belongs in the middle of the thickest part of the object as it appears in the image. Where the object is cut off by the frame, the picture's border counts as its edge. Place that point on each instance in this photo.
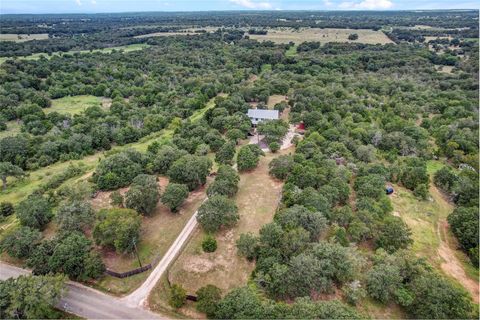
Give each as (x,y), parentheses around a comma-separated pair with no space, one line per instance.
(136,252)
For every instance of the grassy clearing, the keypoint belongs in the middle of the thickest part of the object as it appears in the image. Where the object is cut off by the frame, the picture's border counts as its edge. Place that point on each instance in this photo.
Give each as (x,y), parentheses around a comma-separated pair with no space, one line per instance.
(73,104)
(286,35)
(257,200)
(292,51)
(376,310)
(274,99)
(36,56)
(13,128)
(23,37)
(432,237)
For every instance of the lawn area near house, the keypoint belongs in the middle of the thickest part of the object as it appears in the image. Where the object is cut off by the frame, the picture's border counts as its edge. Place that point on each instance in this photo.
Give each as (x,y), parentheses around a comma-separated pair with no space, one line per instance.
(257,200)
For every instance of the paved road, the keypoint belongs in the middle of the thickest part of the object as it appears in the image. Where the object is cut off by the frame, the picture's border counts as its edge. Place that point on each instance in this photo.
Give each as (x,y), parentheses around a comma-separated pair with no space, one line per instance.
(138,298)
(86,302)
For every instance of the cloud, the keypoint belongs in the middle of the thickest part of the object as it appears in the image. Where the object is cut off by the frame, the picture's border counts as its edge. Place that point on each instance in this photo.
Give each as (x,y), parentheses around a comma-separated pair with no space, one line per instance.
(252,4)
(79,2)
(94,2)
(367,4)
(327,3)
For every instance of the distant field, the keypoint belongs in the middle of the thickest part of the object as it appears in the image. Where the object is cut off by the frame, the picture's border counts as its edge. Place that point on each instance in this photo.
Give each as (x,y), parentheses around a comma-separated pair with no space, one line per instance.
(73,105)
(36,56)
(286,35)
(185,32)
(22,37)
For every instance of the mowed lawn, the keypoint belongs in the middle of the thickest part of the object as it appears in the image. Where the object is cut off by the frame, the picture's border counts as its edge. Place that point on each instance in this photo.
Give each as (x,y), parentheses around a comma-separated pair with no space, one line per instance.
(257,200)
(73,104)
(286,35)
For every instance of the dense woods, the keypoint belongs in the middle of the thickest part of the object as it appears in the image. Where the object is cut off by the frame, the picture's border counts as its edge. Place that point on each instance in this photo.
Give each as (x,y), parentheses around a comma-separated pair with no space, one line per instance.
(374,116)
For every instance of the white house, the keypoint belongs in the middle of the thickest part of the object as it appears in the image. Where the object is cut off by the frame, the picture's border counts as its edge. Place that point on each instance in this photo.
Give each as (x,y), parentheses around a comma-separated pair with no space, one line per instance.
(259,115)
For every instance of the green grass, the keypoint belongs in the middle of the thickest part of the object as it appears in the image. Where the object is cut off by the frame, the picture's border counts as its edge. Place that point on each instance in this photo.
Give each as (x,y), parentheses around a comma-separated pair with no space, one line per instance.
(13,128)
(73,105)
(292,51)
(36,56)
(266,67)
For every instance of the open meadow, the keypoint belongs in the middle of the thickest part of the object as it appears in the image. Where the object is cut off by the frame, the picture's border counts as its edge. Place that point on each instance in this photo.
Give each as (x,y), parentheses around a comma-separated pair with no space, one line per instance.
(286,35)
(22,37)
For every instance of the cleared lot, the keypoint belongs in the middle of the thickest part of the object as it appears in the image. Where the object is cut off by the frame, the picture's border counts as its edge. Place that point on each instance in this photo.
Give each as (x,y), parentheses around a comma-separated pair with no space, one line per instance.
(286,35)
(22,37)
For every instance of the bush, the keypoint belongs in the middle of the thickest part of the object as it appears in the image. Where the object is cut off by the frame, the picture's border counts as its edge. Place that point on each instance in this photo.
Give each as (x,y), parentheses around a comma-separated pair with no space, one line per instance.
(216,212)
(117,228)
(464,225)
(209,243)
(281,166)
(20,243)
(119,169)
(248,157)
(178,296)
(190,170)
(226,153)
(143,194)
(6,209)
(116,199)
(445,179)
(274,146)
(247,246)
(226,182)
(421,191)
(75,216)
(393,234)
(34,212)
(207,300)
(174,195)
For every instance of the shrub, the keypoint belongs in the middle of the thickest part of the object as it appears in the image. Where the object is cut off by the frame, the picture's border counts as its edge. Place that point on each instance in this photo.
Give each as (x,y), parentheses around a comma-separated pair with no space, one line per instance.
(247,245)
(34,212)
(178,296)
(207,299)
(209,243)
(248,157)
(116,199)
(117,228)
(174,195)
(216,212)
(6,209)
(20,243)
(281,166)
(143,194)
(274,146)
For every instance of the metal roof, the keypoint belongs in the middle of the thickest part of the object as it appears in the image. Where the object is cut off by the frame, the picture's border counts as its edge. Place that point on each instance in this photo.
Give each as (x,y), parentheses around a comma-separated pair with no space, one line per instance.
(263,114)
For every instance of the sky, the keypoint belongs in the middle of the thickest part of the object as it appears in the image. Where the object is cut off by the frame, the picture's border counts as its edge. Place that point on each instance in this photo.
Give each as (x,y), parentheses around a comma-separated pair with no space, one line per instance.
(95,6)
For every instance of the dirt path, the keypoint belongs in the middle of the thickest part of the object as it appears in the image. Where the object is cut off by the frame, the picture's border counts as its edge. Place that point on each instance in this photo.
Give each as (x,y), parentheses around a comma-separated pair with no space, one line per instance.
(451,265)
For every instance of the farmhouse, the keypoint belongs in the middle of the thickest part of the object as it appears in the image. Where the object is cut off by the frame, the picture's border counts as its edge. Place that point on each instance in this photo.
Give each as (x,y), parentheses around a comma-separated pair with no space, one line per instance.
(259,115)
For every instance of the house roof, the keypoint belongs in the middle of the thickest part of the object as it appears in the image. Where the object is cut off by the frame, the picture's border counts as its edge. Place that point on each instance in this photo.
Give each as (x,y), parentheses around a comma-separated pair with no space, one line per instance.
(263,114)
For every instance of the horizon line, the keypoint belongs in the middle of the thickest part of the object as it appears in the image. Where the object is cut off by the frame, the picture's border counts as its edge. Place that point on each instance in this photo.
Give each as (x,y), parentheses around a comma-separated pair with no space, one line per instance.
(239,10)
